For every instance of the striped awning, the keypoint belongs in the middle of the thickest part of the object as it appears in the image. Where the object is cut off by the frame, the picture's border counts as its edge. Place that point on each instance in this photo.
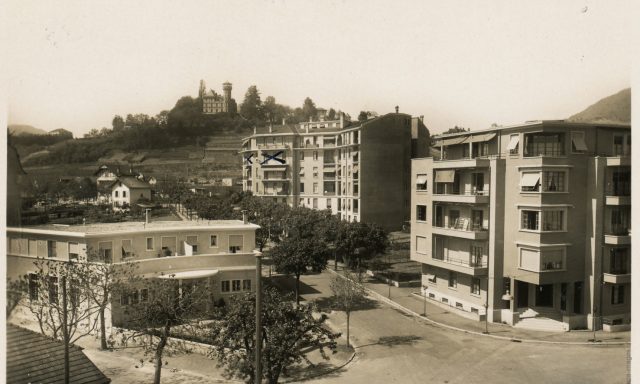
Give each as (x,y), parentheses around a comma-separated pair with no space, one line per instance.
(481,138)
(445,176)
(451,141)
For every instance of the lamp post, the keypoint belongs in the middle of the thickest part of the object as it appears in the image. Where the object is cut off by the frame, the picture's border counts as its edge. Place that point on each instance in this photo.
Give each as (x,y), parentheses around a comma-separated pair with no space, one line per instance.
(486,317)
(424,292)
(258,374)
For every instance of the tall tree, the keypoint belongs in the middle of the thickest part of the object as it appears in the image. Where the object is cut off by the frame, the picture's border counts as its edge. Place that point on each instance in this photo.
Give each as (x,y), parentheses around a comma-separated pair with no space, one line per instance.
(348,293)
(288,333)
(357,241)
(117,123)
(294,255)
(331,115)
(158,306)
(251,107)
(309,109)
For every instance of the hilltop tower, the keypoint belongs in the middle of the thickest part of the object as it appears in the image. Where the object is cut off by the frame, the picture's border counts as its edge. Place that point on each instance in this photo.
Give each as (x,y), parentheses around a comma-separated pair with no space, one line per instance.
(226,91)
(202,90)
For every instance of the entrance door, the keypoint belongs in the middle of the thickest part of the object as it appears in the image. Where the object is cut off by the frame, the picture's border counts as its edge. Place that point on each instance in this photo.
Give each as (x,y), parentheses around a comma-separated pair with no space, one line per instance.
(522,292)
(544,295)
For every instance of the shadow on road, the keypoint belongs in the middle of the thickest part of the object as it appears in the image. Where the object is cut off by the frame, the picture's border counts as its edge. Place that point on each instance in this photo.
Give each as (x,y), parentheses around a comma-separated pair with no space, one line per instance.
(394,341)
(328,304)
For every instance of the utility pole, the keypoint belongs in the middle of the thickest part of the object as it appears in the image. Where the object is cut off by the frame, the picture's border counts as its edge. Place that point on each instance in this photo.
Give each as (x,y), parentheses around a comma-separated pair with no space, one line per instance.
(424,292)
(258,374)
(65,330)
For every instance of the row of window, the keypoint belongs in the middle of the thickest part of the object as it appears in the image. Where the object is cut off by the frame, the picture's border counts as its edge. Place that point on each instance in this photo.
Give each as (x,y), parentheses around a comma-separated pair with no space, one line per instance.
(447,182)
(235,285)
(452,282)
(43,248)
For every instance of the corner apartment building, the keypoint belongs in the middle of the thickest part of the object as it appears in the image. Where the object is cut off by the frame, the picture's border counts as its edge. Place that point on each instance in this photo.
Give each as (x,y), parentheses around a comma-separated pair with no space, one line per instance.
(360,171)
(528,223)
(218,253)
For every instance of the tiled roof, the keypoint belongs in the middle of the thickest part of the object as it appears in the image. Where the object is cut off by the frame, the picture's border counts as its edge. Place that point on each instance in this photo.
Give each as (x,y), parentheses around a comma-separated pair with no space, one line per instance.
(132,182)
(34,358)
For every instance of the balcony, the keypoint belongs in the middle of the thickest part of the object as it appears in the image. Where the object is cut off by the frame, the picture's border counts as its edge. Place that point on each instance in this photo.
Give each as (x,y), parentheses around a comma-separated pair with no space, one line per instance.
(467,266)
(618,194)
(470,232)
(617,277)
(478,162)
(618,161)
(449,194)
(617,234)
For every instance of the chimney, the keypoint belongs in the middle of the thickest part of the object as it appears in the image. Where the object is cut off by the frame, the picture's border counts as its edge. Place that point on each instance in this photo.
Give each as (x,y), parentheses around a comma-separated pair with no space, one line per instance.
(270,128)
(397,109)
(245,219)
(422,118)
(341,120)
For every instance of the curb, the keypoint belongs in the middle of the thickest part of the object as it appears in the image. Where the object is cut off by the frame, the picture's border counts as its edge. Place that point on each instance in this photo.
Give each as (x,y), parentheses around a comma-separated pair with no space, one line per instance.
(392,303)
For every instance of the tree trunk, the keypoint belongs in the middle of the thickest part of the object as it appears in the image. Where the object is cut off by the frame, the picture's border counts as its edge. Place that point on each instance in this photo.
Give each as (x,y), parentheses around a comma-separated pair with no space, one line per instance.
(348,318)
(103,330)
(158,357)
(65,330)
(297,290)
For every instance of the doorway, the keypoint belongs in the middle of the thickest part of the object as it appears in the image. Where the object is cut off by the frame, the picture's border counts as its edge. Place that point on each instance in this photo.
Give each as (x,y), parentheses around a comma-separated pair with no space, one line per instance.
(544,295)
(522,292)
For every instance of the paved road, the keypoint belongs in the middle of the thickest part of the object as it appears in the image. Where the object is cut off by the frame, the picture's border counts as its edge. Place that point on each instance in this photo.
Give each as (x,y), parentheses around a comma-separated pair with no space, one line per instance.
(396,348)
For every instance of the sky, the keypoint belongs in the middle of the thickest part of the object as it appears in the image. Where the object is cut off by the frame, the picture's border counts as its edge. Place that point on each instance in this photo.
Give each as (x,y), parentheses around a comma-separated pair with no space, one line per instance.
(75,64)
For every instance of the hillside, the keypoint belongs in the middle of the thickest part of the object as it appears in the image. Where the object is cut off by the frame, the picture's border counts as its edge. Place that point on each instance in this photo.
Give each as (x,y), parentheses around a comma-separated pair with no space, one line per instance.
(612,109)
(21,129)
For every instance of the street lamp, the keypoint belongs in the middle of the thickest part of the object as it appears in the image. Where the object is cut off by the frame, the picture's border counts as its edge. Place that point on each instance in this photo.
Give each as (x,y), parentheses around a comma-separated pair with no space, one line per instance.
(486,318)
(424,292)
(258,377)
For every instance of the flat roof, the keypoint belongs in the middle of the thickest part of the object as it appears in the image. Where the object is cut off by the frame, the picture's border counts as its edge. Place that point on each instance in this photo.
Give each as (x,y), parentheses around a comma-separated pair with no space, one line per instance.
(98,229)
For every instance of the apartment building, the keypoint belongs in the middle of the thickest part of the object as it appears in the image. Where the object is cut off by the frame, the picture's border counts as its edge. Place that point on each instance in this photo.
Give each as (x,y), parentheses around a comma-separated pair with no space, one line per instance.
(360,171)
(528,225)
(218,253)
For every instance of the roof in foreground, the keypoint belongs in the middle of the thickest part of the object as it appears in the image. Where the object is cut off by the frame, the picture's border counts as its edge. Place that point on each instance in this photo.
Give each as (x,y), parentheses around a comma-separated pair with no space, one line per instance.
(534,123)
(138,226)
(34,358)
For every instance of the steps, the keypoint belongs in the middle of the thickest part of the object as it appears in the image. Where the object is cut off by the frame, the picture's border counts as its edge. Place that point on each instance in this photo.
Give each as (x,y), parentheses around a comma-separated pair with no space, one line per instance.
(541,319)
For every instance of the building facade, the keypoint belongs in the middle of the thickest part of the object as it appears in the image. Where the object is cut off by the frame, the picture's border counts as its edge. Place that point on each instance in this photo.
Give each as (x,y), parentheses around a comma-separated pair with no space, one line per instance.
(528,225)
(218,253)
(127,190)
(213,103)
(360,171)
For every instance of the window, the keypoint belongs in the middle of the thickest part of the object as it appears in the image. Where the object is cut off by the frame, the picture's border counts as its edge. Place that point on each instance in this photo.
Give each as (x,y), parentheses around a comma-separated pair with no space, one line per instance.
(514,144)
(213,241)
(421,212)
(438,247)
(53,289)
(421,245)
(476,252)
(618,261)
(124,298)
(315,187)
(235,285)
(618,145)
(453,279)
(315,155)
(530,182)
(235,243)
(225,286)
(301,187)
(315,172)
(355,205)
(124,193)
(51,249)
(544,144)
(73,251)
(542,260)
(478,183)
(34,287)
(116,194)
(328,203)
(459,305)
(315,203)
(554,181)
(475,286)
(421,182)
(105,252)
(126,249)
(617,294)
(530,220)
(144,295)
(149,243)
(246,285)
(193,242)
(577,142)
(553,220)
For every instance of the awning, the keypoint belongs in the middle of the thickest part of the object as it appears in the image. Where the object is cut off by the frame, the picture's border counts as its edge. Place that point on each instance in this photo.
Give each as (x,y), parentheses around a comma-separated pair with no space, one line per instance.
(356,168)
(191,242)
(578,142)
(186,275)
(431,278)
(275,169)
(451,141)
(329,169)
(422,179)
(445,176)
(126,248)
(301,171)
(481,138)
(513,142)
(530,180)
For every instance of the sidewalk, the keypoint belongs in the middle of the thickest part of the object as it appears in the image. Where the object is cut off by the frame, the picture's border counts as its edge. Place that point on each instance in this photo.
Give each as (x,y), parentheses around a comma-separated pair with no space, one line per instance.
(403,299)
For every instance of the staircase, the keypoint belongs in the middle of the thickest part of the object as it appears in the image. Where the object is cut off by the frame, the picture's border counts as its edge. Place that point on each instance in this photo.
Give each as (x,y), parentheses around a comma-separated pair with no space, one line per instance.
(541,319)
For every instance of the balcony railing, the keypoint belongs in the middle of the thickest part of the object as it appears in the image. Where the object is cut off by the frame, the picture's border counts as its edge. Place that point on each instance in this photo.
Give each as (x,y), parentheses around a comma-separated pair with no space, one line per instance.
(450,190)
(471,262)
(619,189)
(618,230)
(551,266)
(461,226)
(618,271)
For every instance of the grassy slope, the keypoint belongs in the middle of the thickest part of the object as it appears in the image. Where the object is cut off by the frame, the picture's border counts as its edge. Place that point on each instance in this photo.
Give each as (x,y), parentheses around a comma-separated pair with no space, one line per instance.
(612,109)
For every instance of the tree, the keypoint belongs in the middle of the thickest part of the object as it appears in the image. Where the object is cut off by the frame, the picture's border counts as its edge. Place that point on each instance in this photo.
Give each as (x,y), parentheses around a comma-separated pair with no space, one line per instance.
(117,123)
(15,293)
(309,109)
(360,241)
(288,333)
(94,132)
(363,116)
(347,294)
(331,115)
(59,303)
(456,129)
(294,255)
(102,282)
(158,306)
(251,107)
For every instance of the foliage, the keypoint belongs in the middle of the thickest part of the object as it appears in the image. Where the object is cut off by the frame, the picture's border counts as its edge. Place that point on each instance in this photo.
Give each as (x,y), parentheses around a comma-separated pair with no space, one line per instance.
(288,333)
(348,293)
(309,109)
(117,124)
(357,241)
(251,107)
(159,309)
(366,115)
(331,115)
(15,293)
(456,129)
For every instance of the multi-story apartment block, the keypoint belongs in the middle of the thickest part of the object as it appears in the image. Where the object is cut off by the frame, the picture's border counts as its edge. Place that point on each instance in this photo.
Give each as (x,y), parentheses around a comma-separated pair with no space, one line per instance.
(360,171)
(219,253)
(527,222)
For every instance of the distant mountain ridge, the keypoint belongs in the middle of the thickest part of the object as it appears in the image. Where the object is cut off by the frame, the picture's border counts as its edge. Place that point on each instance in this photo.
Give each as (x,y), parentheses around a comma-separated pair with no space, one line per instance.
(23,129)
(612,109)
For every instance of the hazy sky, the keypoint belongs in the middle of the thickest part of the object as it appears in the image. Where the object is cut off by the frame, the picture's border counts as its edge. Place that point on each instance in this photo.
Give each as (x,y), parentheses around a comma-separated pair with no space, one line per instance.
(75,64)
